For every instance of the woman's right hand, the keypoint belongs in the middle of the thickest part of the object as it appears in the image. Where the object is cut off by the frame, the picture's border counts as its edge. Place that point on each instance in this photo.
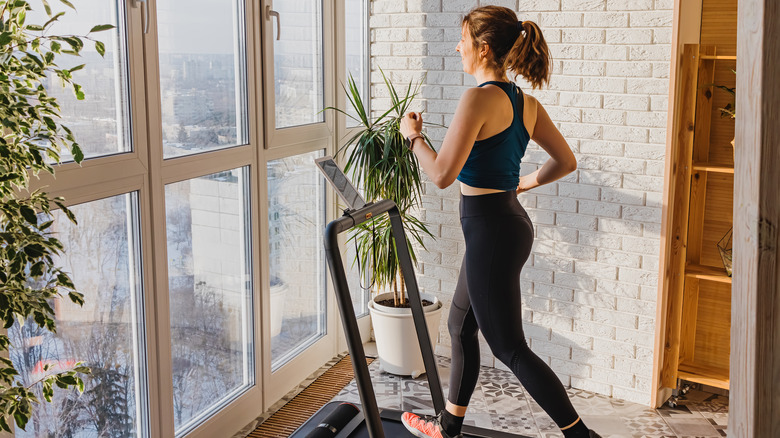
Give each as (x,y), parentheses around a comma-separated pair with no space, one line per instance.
(411,124)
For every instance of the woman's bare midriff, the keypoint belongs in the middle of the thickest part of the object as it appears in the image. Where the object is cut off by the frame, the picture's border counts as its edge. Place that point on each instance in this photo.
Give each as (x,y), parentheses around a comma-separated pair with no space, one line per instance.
(467,190)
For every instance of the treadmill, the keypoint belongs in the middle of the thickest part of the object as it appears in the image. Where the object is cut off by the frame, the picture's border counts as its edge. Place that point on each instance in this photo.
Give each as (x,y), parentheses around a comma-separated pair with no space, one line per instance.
(371,421)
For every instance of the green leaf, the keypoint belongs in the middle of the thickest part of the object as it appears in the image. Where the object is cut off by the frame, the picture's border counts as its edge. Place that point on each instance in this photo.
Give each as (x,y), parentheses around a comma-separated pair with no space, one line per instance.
(64,280)
(46,7)
(76,298)
(78,154)
(53,19)
(100,47)
(76,68)
(34,251)
(28,214)
(9,177)
(68,380)
(34,27)
(50,123)
(75,42)
(5,38)
(3,424)
(21,419)
(37,269)
(67,3)
(102,27)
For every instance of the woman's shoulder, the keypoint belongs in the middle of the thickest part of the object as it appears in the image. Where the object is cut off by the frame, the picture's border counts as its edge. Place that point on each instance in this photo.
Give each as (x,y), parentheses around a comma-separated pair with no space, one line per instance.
(530,101)
(476,98)
(530,111)
(485,96)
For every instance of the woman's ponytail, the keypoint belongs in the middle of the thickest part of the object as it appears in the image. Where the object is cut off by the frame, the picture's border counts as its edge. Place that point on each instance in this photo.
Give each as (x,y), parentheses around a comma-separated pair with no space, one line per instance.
(529,56)
(517,46)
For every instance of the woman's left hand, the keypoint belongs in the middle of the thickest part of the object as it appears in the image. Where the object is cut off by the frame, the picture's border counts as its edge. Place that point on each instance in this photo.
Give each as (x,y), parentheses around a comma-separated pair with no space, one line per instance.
(523,184)
(411,124)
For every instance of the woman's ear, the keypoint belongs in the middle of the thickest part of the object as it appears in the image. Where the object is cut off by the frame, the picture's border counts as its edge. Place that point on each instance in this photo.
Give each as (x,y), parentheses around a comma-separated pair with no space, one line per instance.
(484,49)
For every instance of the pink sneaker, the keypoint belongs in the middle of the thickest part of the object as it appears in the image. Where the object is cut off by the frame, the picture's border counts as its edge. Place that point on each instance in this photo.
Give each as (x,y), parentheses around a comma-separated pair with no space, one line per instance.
(425,426)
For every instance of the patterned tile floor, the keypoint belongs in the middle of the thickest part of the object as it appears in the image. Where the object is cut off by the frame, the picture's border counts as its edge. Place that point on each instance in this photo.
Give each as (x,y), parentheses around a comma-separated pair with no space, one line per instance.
(499,402)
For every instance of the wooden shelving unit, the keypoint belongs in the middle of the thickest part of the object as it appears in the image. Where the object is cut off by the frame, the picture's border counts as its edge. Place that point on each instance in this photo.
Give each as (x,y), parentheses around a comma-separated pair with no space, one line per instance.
(713,167)
(710,273)
(707,376)
(699,290)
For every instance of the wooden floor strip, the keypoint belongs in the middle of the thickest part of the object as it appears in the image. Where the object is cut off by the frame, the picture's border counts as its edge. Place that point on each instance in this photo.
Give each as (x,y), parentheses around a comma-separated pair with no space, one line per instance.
(293,414)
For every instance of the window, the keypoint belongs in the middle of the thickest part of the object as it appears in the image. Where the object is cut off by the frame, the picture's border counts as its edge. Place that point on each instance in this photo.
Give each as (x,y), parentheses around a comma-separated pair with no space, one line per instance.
(298,63)
(356,51)
(103,257)
(101,122)
(207,227)
(193,214)
(296,218)
(202,75)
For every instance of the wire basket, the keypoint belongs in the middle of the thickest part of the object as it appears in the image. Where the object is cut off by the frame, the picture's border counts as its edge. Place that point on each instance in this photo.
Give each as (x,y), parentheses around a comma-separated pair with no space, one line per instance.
(724,248)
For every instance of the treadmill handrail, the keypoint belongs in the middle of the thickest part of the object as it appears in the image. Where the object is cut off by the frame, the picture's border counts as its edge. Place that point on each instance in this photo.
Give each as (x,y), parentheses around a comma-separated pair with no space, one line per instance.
(351,219)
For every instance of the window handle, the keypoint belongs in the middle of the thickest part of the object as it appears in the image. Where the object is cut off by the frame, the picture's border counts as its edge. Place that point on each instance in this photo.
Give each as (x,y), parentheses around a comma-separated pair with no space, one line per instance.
(271,13)
(143,4)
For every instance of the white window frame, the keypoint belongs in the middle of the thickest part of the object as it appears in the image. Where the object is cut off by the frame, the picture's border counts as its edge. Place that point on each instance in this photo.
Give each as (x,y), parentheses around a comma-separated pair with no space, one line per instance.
(143,170)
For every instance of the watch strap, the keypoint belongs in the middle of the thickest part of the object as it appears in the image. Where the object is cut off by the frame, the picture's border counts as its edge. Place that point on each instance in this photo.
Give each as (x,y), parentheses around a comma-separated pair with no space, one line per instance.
(410,139)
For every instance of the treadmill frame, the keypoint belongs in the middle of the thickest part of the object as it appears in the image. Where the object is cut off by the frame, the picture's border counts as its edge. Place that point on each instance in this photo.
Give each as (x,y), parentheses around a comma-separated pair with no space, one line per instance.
(370,410)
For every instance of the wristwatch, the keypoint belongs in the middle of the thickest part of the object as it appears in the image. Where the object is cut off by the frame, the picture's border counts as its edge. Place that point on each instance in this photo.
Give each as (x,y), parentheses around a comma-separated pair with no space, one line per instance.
(409,141)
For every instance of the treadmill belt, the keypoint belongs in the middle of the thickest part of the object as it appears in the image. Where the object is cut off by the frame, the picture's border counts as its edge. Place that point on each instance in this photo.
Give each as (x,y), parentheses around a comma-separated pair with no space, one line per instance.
(391,423)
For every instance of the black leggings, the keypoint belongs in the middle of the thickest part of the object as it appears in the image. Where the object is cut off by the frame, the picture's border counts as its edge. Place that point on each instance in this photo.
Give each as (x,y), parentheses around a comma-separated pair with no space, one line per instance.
(499,236)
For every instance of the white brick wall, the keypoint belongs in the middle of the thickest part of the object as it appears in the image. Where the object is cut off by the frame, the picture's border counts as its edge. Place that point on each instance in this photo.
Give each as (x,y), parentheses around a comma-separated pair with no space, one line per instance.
(589,288)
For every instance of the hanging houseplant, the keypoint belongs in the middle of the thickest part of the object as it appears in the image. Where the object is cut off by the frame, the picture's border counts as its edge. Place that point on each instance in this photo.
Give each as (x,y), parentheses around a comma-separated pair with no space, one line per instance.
(31,139)
(379,162)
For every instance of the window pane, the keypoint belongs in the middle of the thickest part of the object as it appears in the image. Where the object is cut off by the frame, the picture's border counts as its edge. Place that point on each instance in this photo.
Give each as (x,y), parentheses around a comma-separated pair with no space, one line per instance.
(207,223)
(356,19)
(296,216)
(202,75)
(358,287)
(100,122)
(102,255)
(298,75)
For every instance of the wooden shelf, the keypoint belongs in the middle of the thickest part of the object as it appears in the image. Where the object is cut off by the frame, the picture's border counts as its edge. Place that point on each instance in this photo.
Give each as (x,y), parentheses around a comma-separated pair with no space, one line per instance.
(713,167)
(707,273)
(720,57)
(703,374)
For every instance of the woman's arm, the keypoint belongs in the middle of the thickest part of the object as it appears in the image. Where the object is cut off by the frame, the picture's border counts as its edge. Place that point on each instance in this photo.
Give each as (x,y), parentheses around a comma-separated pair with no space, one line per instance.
(444,167)
(562,161)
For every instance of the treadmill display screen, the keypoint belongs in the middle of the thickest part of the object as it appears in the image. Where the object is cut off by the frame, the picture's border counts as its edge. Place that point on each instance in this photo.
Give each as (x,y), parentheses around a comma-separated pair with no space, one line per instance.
(346,191)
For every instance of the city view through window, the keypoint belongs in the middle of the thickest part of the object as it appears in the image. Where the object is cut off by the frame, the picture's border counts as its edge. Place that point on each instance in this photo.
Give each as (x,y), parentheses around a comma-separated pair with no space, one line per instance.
(205,241)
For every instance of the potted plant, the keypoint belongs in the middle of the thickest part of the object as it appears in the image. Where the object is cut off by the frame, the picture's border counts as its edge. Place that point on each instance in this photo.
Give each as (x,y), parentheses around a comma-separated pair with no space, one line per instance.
(380,163)
(31,140)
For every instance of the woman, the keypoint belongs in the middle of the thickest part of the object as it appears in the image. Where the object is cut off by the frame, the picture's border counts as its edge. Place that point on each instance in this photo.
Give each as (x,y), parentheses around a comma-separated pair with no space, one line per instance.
(482,148)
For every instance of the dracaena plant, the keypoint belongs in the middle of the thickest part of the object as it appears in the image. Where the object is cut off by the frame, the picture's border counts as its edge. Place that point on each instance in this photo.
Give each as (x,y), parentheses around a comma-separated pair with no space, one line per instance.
(379,162)
(31,139)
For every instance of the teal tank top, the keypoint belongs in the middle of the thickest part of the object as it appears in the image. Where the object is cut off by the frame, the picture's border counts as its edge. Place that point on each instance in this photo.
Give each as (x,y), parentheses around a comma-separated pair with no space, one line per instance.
(494,163)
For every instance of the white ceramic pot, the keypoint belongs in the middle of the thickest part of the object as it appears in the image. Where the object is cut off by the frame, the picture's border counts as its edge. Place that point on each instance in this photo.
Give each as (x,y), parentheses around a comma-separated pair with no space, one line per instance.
(396,339)
(278,293)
